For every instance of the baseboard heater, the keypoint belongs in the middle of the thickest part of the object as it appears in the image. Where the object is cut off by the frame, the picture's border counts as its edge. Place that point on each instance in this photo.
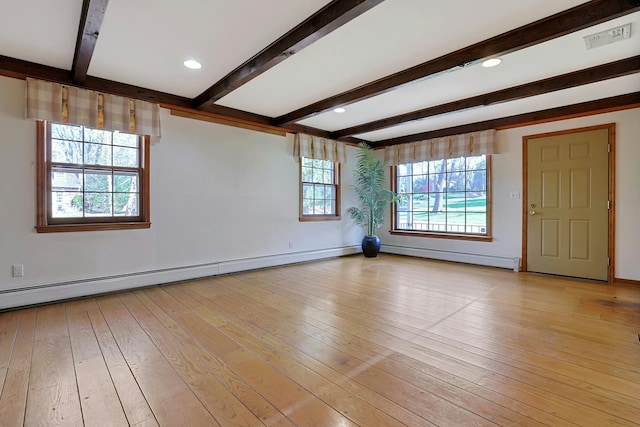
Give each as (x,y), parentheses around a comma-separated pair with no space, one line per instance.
(511,263)
(50,292)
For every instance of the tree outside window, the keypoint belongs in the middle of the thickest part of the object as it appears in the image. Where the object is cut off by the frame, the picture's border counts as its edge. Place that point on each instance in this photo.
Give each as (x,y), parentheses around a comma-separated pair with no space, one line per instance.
(91,177)
(443,197)
(319,189)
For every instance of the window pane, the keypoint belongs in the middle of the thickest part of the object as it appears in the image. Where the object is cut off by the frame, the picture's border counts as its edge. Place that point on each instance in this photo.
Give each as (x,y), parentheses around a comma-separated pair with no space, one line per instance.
(66,180)
(437,221)
(307,191)
(125,157)
(98,181)
(66,204)
(97,135)
(318,192)
(97,204)
(477,162)
(402,220)
(419,202)
(328,177)
(125,183)
(420,168)
(476,181)
(403,185)
(307,174)
(477,203)
(97,154)
(125,204)
(125,139)
(420,184)
(437,182)
(436,166)
(66,132)
(457,164)
(66,151)
(307,206)
(402,170)
(329,207)
(317,175)
(438,202)
(329,192)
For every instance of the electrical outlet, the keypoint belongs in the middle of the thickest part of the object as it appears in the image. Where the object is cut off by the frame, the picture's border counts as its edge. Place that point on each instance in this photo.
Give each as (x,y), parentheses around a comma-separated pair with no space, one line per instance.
(17,270)
(290,245)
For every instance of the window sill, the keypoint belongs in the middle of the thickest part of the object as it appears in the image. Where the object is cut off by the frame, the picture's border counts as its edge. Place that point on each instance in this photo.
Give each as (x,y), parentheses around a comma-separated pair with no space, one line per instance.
(319,218)
(91,227)
(453,236)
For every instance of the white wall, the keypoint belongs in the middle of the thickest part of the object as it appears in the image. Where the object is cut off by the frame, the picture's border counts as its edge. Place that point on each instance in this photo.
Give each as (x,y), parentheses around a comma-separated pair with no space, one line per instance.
(507,212)
(222,199)
(225,199)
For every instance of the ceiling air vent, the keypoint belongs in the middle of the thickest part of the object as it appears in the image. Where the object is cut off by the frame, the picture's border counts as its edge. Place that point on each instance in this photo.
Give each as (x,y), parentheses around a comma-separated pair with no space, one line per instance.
(613,35)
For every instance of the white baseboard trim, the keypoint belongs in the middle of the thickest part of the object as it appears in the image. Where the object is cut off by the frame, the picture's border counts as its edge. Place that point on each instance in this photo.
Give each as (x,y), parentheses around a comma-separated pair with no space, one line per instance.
(45,293)
(486,260)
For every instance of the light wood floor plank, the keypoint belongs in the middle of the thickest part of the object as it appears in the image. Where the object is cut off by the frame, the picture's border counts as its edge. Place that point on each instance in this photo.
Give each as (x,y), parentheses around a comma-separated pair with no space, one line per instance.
(250,398)
(390,342)
(298,404)
(219,401)
(8,330)
(170,399)
(135,406)
(53,395)
(98,397)
(320,380)
(358,350)
(13,399)
(366,372)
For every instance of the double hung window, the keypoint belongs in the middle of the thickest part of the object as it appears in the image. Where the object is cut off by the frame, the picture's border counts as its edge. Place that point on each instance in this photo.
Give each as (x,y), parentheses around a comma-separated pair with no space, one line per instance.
(91,179)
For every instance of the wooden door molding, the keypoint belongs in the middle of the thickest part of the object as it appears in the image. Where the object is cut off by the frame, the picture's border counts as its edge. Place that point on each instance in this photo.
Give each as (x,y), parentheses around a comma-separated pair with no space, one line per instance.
(611,127)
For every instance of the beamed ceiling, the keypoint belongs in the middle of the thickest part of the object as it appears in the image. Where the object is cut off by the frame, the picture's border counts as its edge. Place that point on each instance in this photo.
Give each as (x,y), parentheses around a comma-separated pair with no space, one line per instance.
(404,70)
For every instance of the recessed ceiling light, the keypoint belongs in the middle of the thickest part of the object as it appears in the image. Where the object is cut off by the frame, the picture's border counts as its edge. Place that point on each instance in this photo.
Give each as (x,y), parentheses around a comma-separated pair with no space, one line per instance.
(192,64)
(491,62)
(339,110)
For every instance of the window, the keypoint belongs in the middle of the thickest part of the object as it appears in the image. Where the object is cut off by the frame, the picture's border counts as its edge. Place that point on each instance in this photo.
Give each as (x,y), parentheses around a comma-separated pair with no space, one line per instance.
(90,179)
(444,198)
(319,190)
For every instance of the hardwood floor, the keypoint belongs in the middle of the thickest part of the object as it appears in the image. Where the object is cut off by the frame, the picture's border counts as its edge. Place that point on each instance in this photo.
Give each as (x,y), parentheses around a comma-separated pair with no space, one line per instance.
(392,341)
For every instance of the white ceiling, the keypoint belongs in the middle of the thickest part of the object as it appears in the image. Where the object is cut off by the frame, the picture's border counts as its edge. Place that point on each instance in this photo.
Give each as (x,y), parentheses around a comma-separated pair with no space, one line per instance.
(144,42)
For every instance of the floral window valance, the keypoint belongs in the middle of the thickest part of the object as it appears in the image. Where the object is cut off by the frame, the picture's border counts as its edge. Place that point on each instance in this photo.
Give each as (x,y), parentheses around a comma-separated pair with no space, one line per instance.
(64,104)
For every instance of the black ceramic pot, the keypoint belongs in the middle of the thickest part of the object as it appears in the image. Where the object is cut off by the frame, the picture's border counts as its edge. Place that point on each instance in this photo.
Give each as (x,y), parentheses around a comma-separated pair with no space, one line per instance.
(370,246)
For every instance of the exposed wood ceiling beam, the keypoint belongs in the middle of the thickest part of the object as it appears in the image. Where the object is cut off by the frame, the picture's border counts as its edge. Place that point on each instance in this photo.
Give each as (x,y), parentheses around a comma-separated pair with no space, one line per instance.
(614,103)
(88,31)
(19,69)
(560,24)
(589,75)
(327,19)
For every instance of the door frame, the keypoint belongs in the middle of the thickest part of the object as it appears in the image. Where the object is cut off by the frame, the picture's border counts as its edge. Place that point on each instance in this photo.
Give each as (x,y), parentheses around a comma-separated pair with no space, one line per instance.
(612,205)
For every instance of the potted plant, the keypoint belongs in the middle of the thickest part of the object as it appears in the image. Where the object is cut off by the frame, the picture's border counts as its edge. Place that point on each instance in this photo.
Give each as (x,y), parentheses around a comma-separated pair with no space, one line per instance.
(373,195)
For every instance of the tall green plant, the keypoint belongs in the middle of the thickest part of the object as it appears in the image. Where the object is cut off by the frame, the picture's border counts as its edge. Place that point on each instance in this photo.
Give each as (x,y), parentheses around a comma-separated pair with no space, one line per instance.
(370,187)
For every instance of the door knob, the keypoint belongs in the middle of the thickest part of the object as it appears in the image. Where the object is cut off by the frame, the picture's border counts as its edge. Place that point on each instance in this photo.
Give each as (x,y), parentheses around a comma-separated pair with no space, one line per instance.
(532,212)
